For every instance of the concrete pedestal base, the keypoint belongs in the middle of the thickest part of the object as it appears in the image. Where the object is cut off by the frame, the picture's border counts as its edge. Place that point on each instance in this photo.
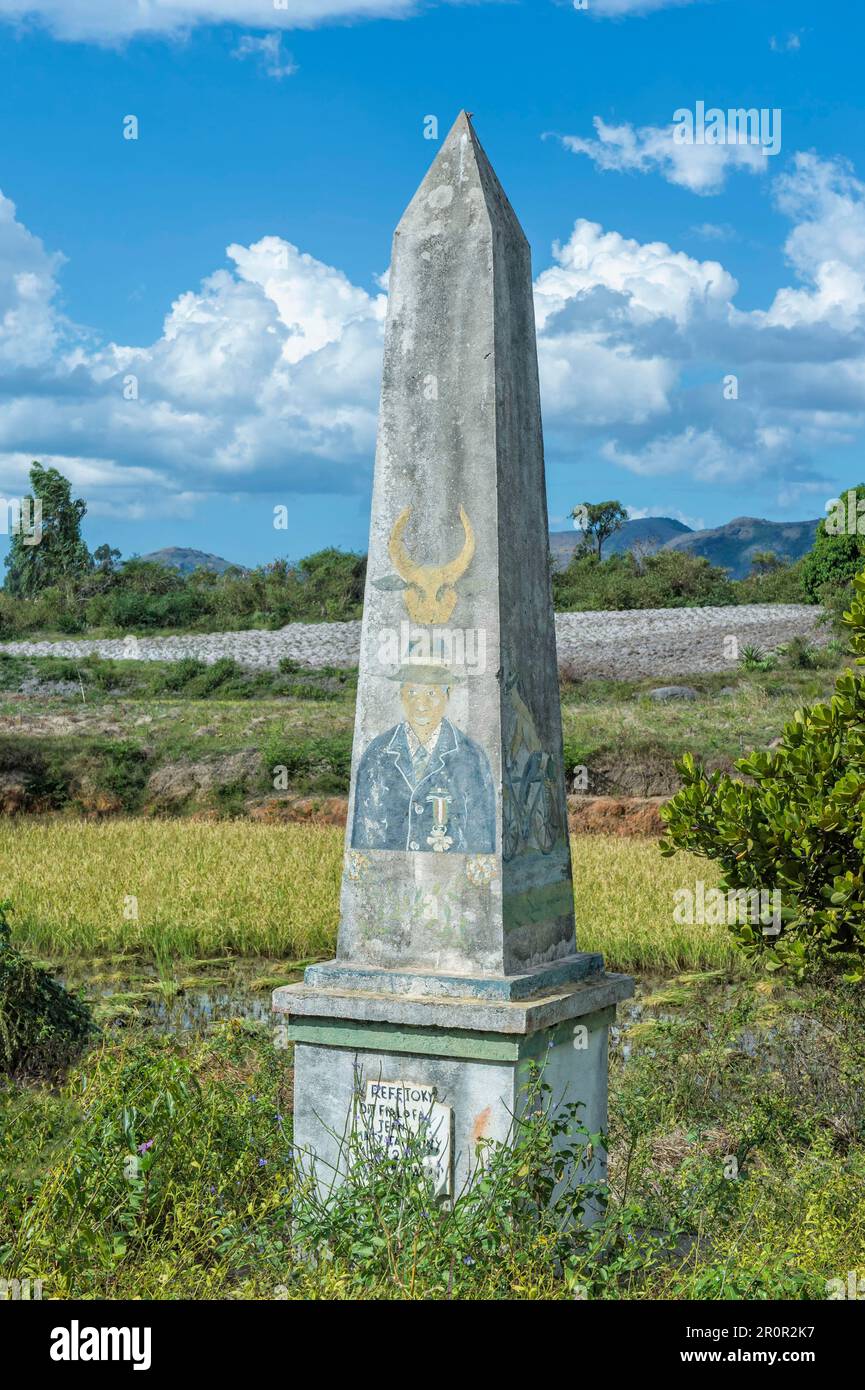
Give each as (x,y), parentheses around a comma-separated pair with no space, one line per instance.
(476,1055)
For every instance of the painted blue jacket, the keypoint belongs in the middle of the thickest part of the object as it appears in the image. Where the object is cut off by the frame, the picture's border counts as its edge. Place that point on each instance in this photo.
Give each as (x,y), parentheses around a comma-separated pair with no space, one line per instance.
(391,812)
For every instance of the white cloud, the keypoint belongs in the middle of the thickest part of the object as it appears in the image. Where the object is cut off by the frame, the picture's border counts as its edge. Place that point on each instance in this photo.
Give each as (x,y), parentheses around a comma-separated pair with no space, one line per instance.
(653,280)
(112,21)
(268,50)
(826,247)
(589,308)
(30,326)
(701,454)
(636,339)
(715,231)
(585,378)
(266,375)
(788,44)
(621,9)
(702,168)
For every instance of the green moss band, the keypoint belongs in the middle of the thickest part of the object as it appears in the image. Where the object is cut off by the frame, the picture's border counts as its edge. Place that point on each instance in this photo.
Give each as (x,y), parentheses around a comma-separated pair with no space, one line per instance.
(435,1042)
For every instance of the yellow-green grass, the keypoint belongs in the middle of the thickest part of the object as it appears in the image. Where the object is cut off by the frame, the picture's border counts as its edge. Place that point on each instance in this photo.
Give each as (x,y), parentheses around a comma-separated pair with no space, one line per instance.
(623,899)
(198,889)
(205,889)
(710,727)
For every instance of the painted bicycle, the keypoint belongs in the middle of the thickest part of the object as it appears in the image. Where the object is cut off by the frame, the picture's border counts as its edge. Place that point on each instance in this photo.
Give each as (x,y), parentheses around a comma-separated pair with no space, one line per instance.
(531,808)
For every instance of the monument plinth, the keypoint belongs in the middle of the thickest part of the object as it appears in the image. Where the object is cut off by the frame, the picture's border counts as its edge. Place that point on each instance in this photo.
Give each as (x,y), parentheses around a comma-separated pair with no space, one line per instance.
(456,964)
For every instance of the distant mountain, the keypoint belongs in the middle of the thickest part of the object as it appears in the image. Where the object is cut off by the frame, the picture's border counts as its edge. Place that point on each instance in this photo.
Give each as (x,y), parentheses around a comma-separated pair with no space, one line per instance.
(648,534)
(732,546)
(181,558)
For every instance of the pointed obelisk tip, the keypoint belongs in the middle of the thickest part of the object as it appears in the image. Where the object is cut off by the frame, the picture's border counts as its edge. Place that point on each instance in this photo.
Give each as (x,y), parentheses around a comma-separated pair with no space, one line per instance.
(463,122)
(461,163)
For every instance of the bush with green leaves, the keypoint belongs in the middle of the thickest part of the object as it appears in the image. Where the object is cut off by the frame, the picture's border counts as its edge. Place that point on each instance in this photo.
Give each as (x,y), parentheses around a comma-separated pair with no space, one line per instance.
(317,764)
(796,825)
(667,579)
(753,659)
(518,1219)
(164,1168)
(42,1025)
(836,555)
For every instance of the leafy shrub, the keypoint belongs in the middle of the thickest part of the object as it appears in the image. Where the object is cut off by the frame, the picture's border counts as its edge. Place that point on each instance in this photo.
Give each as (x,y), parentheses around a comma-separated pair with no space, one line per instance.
(11,617)
(60,668)
(311,764)
(98,610)
(163,1168)
(123,771)
(797,825)
(757,1072)
(519,1219)
(135,610)
(802,655)
(178,674)
(332,583)
(780,584)
(833,560)
(131,610)
(835,603)
(107,675)
(37,764)
(753,659)
(42,1025)
(575,754)
(668,579)
(220,675)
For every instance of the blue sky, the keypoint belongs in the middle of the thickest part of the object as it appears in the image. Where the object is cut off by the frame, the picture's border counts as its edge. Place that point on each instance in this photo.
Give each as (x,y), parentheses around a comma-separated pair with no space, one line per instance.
(230,258)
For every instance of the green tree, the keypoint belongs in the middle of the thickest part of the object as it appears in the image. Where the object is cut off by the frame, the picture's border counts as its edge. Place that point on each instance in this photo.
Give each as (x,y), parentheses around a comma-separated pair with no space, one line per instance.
(795,826)
(838,551)
(598,521)
(104,557)
(764,562)
(59,555)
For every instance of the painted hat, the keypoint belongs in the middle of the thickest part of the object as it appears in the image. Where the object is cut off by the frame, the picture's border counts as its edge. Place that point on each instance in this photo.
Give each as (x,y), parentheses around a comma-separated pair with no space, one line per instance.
(425,673)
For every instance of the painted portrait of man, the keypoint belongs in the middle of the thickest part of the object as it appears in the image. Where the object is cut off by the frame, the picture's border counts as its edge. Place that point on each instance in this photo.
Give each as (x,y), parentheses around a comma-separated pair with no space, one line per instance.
(423,785)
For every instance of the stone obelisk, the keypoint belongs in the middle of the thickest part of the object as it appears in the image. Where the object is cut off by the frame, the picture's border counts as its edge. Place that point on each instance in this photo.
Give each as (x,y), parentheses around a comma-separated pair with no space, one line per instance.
(456,964)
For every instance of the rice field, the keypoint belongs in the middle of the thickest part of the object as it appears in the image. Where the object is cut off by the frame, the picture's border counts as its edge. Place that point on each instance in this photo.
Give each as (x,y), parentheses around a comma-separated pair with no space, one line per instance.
(188,889)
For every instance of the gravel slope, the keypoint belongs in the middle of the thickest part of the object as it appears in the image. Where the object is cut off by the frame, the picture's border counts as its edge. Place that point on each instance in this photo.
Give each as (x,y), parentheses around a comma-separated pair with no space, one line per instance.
(645,642)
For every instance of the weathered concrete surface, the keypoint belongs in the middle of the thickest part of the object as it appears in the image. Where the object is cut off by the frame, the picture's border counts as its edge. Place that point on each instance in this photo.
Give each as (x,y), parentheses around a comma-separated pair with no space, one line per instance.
(430,984)
(469,1013)
(459,484)
(485,1095)
(456,968)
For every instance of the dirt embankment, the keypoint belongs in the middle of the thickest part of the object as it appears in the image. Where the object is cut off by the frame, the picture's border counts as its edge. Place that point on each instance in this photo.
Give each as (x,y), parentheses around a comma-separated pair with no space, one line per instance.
(190,789)
(587,815)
